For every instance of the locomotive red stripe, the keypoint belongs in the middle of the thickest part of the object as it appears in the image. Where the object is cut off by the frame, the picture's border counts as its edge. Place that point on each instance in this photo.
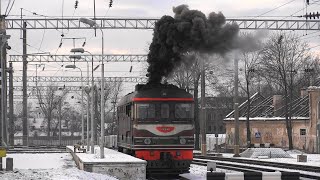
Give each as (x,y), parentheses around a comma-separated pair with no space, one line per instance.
(155,154)
(162,99)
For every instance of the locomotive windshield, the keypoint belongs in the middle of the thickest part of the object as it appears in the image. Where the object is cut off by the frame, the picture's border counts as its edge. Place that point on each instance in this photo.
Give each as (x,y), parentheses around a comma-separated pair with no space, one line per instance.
(183,111)
(146,111)
(165,111)
(171,111)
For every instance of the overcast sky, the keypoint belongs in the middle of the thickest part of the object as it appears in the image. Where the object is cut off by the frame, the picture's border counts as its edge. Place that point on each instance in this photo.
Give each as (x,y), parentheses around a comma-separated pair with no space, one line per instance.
(130,41)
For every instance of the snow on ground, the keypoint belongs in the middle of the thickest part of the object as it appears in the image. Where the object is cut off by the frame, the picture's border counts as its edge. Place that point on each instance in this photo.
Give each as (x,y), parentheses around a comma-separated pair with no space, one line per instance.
(56,166)
(60,166)
(312,159)
(110,155)
(200,172)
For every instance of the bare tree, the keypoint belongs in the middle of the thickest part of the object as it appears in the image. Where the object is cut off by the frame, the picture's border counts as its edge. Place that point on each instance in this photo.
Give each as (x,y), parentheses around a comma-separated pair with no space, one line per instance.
(187,76)
(112,91)
(72,119)
(18,116)
(49,101)
(281,59)
(250,61)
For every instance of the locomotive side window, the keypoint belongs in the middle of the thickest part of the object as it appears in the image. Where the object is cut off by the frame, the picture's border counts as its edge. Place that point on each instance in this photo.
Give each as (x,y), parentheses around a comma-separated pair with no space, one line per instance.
(164,110)
(128,110)
(183,111)
(146,111)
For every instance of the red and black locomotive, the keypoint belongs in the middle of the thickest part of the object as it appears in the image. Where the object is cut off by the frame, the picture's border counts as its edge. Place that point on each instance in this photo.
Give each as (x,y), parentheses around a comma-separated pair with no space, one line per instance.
(156,123)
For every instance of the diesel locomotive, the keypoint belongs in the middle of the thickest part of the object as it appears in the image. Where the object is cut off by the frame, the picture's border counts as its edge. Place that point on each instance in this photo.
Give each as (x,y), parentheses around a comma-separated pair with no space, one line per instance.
(156,123)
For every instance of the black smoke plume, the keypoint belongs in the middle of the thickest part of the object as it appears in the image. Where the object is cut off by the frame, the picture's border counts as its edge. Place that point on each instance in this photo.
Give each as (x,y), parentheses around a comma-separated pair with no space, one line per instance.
(187,31)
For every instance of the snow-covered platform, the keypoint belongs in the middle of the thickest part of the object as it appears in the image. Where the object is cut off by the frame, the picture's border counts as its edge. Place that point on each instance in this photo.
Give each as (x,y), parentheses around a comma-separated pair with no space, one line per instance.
(119,165)
(265,152)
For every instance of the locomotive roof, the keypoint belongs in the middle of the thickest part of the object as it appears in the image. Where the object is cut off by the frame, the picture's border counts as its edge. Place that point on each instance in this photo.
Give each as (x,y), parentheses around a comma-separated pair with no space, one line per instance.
(155,91)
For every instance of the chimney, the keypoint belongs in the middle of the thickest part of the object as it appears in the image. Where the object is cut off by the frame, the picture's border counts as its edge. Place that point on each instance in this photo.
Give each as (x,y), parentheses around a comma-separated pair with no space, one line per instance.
(303,92)
(277,104)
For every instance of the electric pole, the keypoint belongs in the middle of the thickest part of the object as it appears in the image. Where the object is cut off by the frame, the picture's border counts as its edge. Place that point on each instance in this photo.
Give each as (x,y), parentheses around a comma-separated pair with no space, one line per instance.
(24,89)
(11,117)
(203,112)
(236,108)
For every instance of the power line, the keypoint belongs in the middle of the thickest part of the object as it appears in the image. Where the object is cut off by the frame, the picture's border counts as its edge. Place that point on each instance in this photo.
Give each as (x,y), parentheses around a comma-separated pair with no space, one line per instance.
(10,7)
(276,8)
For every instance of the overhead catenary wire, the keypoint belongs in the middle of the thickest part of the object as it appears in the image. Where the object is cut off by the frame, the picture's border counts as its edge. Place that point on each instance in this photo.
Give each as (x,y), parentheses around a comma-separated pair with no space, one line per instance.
(8,5)
(10,8)
(276,8)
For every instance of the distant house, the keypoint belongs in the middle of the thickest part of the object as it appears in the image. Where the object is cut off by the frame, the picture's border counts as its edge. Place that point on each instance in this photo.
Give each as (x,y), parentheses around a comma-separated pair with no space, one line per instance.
(216,109)
(268,125)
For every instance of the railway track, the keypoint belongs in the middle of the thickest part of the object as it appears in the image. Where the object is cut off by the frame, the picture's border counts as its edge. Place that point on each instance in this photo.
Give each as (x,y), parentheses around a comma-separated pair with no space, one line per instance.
(164,177)
(245,165)
(263,163)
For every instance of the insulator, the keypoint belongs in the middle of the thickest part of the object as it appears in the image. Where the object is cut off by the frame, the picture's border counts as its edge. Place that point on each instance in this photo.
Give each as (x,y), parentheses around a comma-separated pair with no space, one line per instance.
(60,44)
(76,4)
(130,69)
(84,43)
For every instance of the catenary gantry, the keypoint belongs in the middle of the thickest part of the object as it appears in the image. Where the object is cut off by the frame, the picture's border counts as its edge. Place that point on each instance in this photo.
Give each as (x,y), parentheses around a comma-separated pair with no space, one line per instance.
(61,79)
(84,57)
(134,23)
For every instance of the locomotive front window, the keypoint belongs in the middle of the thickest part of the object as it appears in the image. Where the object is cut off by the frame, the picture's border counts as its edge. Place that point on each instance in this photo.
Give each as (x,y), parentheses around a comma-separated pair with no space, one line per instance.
(183,111)
(146,111)
(165,111)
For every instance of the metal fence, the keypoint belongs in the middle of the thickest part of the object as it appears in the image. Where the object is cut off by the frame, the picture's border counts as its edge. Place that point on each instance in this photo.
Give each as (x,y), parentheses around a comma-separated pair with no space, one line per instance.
(48,141)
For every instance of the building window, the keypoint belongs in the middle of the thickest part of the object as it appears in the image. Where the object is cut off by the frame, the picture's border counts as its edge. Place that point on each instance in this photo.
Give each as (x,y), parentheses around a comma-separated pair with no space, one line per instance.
(303,132)
(209,128)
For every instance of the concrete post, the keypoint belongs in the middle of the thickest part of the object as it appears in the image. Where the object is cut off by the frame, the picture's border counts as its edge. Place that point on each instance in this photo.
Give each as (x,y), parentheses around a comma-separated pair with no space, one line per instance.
(11,121)
(24,87)
(9,164)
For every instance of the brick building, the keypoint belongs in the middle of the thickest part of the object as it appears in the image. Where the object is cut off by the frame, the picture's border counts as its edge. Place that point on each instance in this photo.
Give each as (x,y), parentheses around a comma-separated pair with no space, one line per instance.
(268,125)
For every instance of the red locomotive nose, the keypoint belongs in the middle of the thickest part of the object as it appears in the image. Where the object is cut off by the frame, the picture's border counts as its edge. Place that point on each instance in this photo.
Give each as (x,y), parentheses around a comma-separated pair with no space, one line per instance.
(165,129)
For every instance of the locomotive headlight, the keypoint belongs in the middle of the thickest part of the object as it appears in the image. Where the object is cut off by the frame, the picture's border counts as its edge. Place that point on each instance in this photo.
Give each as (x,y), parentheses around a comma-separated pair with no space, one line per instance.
(183,141)
(178,153)
(147,141)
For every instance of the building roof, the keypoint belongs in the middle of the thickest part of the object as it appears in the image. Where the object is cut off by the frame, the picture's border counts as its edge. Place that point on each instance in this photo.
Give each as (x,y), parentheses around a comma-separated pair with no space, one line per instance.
(262,108)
